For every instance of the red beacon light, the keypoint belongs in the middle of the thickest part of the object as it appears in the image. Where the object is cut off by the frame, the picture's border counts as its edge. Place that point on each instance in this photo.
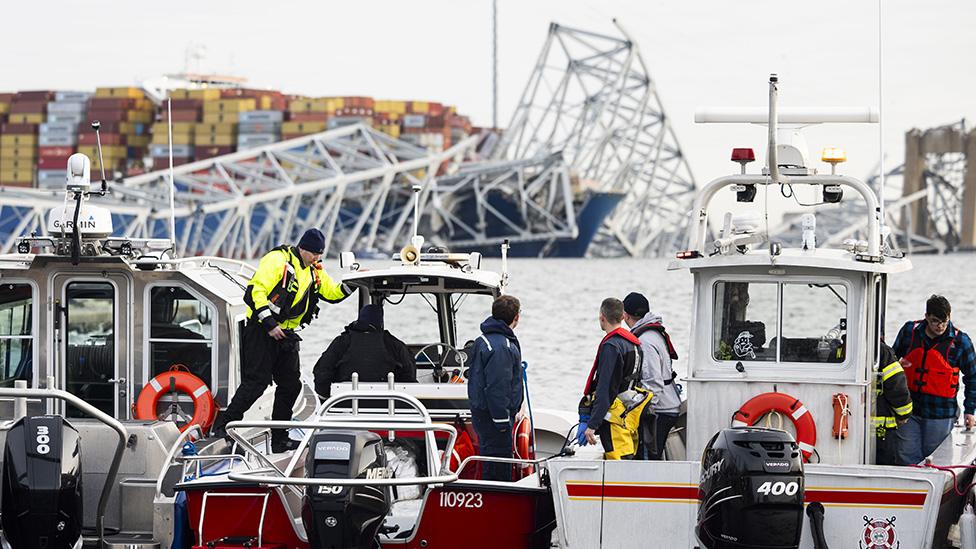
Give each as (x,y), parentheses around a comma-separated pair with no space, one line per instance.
(688,254)
(743,156)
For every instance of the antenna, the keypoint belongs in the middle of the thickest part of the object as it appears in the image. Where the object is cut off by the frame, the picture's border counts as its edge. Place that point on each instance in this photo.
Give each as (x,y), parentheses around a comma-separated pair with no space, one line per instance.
(494,64)
(172,181)
(881,170)
(773,119)
(101,162)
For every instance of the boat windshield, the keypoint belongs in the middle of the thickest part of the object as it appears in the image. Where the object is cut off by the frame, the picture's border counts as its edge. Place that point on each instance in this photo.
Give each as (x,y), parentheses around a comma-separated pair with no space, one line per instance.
(780,321)
(421,319)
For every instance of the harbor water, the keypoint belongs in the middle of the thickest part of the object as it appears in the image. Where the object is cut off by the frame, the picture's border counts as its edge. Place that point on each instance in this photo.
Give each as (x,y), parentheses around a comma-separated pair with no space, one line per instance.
(559,330)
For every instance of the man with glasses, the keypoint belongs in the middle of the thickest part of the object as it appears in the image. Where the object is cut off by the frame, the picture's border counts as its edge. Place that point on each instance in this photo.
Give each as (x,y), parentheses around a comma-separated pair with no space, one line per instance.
(935,353)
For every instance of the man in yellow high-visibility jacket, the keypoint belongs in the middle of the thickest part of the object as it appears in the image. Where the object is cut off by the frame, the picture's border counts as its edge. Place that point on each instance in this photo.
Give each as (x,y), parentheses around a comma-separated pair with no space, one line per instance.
(281,296)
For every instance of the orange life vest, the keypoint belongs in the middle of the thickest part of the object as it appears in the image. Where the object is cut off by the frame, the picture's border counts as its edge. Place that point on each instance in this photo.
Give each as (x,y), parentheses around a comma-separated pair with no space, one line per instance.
(929,371)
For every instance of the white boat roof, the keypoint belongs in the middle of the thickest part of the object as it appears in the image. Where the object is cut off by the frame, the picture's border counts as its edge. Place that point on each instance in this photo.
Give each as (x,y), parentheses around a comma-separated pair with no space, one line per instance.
(472,280)
(820,258)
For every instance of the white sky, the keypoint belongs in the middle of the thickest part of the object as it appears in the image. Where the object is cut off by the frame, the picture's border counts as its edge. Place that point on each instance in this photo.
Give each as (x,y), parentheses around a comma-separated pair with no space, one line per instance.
(700,53)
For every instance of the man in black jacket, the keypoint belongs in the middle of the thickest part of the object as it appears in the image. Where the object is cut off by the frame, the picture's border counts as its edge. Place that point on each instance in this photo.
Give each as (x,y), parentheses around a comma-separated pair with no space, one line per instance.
(892,408)
(366,348)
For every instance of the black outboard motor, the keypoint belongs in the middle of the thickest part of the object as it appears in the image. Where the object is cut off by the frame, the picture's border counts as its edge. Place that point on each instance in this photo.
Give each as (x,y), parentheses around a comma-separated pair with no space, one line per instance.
(345,517)
(751,491)
(42,503)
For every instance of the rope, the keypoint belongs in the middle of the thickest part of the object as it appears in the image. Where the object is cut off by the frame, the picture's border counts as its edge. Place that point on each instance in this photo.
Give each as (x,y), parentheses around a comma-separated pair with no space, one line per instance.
(528,403)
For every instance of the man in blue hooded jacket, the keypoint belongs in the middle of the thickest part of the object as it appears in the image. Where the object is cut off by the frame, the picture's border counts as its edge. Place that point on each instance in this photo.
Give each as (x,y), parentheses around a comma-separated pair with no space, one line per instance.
(495,385)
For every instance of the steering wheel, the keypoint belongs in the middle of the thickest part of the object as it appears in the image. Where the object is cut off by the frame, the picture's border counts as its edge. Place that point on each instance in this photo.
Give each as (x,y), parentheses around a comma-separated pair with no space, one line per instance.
(439,368)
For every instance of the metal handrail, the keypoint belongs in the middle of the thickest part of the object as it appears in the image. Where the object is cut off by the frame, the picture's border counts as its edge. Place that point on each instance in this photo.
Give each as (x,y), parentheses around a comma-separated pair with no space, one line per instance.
(284,477)
(493,459)
(171,454)
(101,416)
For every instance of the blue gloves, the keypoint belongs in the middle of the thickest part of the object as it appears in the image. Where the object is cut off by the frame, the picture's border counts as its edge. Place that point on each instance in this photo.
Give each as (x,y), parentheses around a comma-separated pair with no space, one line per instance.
(581,430)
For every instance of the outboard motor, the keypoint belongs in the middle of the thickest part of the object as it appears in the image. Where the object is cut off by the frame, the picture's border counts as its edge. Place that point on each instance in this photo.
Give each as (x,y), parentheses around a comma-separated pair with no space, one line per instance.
(42,503)
(751,490)
(345,517)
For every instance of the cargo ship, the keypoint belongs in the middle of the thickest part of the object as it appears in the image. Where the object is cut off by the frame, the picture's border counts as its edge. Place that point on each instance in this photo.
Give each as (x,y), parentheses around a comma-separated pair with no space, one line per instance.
(214,116)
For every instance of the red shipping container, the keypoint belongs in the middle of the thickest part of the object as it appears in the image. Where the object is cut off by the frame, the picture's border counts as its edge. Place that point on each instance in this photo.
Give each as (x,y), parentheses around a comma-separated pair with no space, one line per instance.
(105,127)
(56,152)
(435,109)
(107,138)
(248,93)
(162,162)
(52,162)
(309,116)
(28,107)
(43,96)
(110,104)
(6,97)
(8,129)
(183,104)
(27,184)
(114,116)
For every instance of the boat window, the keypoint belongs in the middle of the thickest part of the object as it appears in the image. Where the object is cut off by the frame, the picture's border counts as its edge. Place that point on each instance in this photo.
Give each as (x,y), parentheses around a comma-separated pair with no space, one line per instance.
(16,337)
(745,321)
(90,333)
(814,322)
(180,332)
(412,318)
(470,310)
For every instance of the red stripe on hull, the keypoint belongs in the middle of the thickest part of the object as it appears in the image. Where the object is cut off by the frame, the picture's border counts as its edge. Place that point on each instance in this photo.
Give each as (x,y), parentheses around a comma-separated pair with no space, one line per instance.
(645,491)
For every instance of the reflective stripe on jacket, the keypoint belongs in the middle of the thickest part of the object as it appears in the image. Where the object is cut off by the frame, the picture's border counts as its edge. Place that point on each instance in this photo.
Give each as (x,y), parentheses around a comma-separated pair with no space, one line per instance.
(894,401)
(283,290)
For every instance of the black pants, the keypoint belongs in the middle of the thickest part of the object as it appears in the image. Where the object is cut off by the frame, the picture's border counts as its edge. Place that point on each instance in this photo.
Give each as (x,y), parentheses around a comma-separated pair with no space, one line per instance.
(265,359)
(886,449)
(493,442)
(654,439)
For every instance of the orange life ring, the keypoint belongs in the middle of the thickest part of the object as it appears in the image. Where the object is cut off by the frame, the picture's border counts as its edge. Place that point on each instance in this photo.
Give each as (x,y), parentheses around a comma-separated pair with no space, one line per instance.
(204,408)
(523,444)
(760,405)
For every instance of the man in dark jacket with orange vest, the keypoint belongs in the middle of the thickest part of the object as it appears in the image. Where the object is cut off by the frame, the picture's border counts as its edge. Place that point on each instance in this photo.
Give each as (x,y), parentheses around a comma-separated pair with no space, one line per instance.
(612,403)
(935,353)
(495,385)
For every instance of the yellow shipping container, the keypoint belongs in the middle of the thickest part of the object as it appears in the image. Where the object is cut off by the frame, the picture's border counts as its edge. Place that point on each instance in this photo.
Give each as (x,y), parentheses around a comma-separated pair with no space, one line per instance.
(143,117)
(125,92)
(207,94)
(18,151)
(108,151)
(18,139)
(16,176)
(302,127)
(163,139)
(336,103)
(299,105)
(224,128)
(27,118)
(10,164)
(419,107)
(229,105)
(178,127)
(218,140)
(4,108)
(219,117)
(390,107)
(392,131)
(138,140)
(181,93)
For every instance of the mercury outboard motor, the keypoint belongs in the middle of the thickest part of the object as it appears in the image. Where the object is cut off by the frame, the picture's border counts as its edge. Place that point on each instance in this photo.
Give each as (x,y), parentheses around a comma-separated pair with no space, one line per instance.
(751,490)
(42,503)
(345,517)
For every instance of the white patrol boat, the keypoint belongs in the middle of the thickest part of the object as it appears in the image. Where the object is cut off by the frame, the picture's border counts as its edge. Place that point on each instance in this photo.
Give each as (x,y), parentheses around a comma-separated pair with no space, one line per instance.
(782,338)
(113,354)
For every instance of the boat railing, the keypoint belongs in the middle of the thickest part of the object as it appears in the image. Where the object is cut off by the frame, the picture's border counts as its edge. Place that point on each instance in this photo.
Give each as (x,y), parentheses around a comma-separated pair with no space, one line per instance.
(21,392)
(285,478)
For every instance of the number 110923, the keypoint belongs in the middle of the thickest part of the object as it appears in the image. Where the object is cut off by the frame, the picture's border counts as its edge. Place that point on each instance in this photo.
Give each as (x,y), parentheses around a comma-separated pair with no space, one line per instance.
(470,500)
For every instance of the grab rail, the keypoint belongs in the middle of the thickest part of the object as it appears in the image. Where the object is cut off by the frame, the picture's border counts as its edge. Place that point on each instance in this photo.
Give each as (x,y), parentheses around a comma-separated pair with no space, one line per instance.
(101,416)
(171,454)
(284,477)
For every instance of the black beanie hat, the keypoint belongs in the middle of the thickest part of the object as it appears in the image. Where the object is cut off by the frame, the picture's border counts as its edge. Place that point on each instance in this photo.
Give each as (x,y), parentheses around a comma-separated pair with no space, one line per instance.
(372,314)
(312,241)
(636,305)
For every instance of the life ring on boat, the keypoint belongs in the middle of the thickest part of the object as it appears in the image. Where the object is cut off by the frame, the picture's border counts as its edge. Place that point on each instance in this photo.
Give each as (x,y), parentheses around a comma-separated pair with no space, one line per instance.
(760,405)
(523,444)
(204,408)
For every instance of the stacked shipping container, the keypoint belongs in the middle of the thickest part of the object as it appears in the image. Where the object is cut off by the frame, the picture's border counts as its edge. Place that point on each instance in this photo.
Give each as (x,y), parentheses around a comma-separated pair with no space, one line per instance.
(41,129)
(58,137)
